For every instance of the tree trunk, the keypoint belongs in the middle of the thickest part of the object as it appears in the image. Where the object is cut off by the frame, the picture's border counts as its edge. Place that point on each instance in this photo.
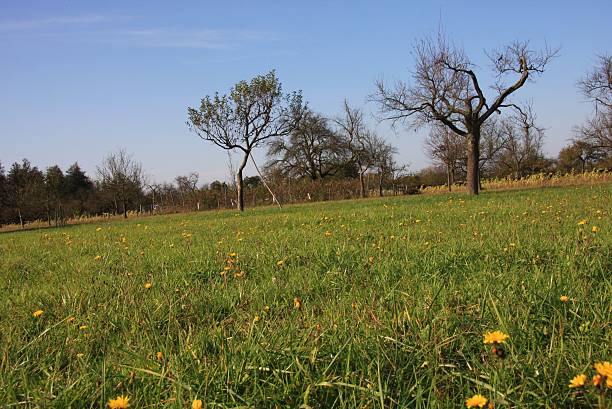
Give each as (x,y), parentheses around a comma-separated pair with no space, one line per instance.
(124,209)
(361,185)
(449,182)
(240,183)
(473,159)
(20,218)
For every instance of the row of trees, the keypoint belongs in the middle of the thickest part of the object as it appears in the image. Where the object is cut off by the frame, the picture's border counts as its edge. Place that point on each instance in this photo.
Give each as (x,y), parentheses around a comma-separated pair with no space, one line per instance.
(314,157)
(445,93)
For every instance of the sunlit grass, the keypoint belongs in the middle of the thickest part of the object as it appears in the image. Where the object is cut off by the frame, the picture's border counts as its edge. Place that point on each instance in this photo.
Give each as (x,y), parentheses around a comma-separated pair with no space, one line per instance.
(374,303)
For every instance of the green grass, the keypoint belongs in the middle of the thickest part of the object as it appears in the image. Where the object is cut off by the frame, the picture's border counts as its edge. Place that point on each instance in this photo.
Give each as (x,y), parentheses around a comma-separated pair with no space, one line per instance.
(395,297)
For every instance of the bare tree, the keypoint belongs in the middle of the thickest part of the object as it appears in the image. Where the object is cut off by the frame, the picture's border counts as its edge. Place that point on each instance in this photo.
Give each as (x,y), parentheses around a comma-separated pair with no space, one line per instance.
(597,132)
(312,150)
(596,86)
(446,148)
(251,114)
(123,177)
(446,90)
(360,141)
(523,142)
(383,153)
(187,186)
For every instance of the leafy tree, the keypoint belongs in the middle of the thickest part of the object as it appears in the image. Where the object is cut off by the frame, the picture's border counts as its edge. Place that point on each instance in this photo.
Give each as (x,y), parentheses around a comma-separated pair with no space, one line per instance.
(54,193)
(249,116)
(25,185)
(3,195)
(78,188)
(446,90)
(252,182)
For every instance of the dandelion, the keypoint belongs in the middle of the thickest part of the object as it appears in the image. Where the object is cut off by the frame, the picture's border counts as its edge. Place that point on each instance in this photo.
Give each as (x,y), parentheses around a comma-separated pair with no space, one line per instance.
(476,401)
(495,337)
(577,381)
(564,298)
(148,285)
(83,327)
(328,234)
(37,313)
(257,318)
(297,303)
(594,229)
(120,402)
(80,355)
(98,258)
(159,355)
(280,263)
(582,222)
(99,229)
(197,404)
(604,369)
(596,380)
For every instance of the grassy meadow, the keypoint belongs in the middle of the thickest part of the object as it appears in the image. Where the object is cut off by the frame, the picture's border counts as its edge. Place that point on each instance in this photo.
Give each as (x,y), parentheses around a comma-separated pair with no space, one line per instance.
(379,303)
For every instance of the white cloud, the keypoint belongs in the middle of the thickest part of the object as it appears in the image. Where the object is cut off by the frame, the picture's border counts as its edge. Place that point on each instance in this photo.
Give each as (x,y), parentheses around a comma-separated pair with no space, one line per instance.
(86,29)
(179,38)
(51,22)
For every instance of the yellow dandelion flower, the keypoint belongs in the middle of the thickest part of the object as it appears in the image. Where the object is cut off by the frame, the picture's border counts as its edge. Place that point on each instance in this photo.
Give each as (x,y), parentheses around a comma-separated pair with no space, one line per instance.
(98,258)
(564,298)
(596,380)
(266,308)
(604,369)
(37,313)
(280,263)
(328,234)
(197,404)
(582,222)
(148,285)
(120,402)
(594,229)
(476,401)
(257,318)
(578,381)
(99,229)
(80,355)
(297,303)
(159,355)
(495,337)
(83,327)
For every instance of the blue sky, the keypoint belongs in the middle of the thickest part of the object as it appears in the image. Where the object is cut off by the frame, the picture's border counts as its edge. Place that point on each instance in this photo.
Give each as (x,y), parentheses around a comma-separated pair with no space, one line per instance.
(81,79)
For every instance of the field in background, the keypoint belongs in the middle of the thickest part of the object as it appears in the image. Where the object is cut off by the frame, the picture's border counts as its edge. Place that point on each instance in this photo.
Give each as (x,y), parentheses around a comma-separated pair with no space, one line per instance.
(370,303)
(347,189)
